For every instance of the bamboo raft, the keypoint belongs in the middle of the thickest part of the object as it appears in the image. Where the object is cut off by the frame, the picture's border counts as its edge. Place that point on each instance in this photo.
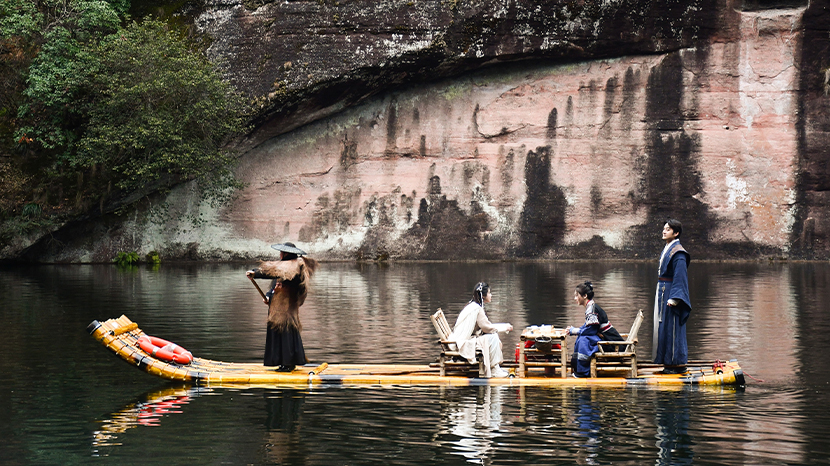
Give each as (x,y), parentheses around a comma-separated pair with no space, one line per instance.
(121,336)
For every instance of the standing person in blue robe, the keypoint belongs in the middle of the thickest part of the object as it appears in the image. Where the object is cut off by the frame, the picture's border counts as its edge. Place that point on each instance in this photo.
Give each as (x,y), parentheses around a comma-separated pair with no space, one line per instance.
(671,303)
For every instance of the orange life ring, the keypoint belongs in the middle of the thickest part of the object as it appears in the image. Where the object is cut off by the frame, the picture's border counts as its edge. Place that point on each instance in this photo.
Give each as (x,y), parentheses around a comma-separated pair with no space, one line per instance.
(164,350)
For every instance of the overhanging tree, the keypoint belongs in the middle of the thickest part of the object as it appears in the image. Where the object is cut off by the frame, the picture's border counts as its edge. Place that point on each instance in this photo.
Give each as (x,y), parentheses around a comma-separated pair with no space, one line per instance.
(109,107)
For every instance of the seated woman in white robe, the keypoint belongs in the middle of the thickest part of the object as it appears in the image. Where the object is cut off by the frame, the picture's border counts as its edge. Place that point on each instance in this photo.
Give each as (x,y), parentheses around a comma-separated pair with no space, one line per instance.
(473,330)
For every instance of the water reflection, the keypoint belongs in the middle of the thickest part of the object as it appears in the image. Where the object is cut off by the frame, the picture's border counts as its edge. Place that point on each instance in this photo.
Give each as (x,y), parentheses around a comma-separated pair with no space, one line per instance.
(773,423)
(480,425)
(148,412)
(475,420)
(741,309)
(283,427)
(588,427)
(674,444)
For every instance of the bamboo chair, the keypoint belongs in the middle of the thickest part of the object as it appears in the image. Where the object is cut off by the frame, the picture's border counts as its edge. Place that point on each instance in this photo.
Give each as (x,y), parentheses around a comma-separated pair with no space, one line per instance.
(450,360)
(624,359)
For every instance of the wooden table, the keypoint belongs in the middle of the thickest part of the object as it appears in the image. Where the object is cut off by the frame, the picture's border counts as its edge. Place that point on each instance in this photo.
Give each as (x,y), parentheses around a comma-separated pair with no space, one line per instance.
(557,336)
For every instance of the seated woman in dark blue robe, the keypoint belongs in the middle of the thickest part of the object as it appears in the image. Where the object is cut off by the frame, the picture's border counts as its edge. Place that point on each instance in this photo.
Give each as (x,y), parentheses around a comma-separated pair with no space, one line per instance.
(596,328)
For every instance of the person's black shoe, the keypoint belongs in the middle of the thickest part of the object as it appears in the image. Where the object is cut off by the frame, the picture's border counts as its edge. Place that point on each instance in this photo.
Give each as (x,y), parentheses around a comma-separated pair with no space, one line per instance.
(673,370)
(285,369)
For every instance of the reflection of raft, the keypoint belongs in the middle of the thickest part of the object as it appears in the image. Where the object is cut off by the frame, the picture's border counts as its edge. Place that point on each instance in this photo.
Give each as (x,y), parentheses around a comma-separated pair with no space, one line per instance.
(121,336)
(146,413)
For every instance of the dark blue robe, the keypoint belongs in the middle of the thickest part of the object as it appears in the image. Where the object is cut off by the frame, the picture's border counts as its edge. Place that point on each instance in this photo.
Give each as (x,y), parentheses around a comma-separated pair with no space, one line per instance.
(589,334)
(585,347)
(670,346)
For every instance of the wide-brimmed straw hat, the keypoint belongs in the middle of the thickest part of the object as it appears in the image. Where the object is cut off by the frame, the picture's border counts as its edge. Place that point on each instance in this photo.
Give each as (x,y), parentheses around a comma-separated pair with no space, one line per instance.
(289,248)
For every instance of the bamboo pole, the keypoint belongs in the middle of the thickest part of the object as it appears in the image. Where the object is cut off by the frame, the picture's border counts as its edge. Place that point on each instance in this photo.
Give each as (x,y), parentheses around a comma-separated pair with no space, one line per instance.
(258,288)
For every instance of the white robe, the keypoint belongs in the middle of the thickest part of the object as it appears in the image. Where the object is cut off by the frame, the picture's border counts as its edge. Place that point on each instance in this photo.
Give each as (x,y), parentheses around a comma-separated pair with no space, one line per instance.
(464,336)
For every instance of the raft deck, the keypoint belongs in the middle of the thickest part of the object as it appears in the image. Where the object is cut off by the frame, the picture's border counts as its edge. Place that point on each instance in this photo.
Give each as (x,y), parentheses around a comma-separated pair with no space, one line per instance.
(121,337)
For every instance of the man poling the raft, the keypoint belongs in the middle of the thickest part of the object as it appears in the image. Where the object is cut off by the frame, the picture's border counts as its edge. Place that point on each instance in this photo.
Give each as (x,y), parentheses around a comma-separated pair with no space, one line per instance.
(288,290)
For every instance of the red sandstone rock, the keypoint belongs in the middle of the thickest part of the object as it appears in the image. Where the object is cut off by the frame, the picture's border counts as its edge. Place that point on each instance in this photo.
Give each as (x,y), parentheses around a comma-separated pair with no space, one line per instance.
(721,123)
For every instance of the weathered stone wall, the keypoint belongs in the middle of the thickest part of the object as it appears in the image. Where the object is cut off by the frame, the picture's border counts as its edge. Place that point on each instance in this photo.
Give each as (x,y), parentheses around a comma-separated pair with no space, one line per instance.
(713,114)
(810,235)
(303,59)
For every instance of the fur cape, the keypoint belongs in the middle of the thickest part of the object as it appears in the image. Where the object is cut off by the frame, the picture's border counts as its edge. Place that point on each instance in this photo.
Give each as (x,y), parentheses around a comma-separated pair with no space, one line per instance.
(292,278)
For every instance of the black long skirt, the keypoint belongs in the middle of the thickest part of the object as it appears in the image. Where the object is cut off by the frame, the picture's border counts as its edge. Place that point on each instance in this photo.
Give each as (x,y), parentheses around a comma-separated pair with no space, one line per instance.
(284,348)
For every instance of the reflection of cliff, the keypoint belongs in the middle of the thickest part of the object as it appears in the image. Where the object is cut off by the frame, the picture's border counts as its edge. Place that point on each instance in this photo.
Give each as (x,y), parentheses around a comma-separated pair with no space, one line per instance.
(810,284)
(743,308)
(769,418)
(780,440)
(390,304)
(671,425)
(283,411)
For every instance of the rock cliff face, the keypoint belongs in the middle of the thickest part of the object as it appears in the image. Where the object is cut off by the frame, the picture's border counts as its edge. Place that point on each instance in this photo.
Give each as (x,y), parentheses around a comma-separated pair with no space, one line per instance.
(309,58)
(508,129)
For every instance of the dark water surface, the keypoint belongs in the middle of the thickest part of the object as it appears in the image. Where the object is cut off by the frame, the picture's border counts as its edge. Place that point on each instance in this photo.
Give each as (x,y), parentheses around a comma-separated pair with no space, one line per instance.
(65,399)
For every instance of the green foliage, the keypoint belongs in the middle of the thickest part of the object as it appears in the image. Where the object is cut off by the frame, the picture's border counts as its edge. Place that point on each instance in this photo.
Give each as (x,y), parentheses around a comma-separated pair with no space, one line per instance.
(14,184)
(32,210)
(19,27)
(29,18)
(152,257)
(158,109)
(126,259)
(54,82)
(254,4)
(57,75)
(19,226)
(19,18)
(105,107)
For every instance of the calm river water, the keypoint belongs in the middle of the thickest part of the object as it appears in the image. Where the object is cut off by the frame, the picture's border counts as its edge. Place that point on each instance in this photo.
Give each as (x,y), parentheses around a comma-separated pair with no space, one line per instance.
(65,399)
